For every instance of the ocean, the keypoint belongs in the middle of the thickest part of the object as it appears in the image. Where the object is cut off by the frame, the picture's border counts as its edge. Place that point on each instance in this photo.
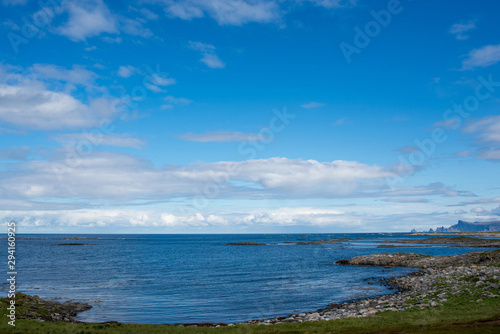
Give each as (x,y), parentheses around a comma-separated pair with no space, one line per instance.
(199,278)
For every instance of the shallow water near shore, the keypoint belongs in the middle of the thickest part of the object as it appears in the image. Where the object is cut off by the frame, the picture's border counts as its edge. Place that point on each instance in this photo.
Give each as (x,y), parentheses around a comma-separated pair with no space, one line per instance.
(199,278)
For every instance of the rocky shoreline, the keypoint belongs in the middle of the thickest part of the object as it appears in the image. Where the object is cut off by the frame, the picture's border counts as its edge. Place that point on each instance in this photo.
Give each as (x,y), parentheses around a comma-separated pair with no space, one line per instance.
(35,308)
(444,276)
(439,278)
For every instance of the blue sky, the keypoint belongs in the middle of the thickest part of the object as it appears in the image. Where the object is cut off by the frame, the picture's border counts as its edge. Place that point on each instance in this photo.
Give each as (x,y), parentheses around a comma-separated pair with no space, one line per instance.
(239,116)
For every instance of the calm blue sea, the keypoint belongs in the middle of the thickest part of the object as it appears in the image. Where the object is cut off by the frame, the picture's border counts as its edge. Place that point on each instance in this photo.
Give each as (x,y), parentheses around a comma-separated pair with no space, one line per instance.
(198,278)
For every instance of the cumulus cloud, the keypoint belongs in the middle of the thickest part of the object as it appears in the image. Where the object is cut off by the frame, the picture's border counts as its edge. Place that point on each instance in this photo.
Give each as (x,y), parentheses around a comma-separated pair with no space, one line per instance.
(113,176)
(34,107)
(126,71)
(187,220)
(482,57)
(87,19)
(460,30)
(173,219)
(209,57)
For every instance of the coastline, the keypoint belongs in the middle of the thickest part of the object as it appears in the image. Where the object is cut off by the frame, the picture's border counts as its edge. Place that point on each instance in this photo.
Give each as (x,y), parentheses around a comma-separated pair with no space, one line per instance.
(435,280)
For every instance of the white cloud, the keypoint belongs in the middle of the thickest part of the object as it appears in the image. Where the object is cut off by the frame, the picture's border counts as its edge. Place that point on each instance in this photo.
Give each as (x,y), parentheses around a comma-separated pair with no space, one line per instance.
(313,104)
(126,71)
(209,57)
(478,210)
(221,136)
(225,12)
(113,176)
(487,131)
(283,219)
(492,154)
(87,19)
(34,107)
(134,27)
(158,80)
(77,75)
(460,29)
(97,139)
(175,101)
(483,57)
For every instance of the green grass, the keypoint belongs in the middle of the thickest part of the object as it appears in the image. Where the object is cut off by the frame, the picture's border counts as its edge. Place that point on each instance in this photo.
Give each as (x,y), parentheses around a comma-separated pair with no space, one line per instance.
(458,315)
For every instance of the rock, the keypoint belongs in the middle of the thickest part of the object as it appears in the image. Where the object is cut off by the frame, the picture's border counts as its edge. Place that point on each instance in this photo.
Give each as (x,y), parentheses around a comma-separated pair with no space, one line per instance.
(35,308)
(421,261)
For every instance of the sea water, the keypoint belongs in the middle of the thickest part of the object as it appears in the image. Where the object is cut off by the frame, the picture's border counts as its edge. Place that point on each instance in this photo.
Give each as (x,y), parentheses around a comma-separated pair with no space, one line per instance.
(199,278)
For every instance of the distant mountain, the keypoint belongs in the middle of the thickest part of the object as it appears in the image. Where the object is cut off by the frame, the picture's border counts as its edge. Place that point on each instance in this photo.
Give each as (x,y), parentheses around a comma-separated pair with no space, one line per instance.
(464,226)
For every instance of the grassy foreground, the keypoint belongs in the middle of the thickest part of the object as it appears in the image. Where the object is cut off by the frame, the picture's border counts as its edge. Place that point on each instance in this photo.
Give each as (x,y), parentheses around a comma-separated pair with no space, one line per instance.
(457,315)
